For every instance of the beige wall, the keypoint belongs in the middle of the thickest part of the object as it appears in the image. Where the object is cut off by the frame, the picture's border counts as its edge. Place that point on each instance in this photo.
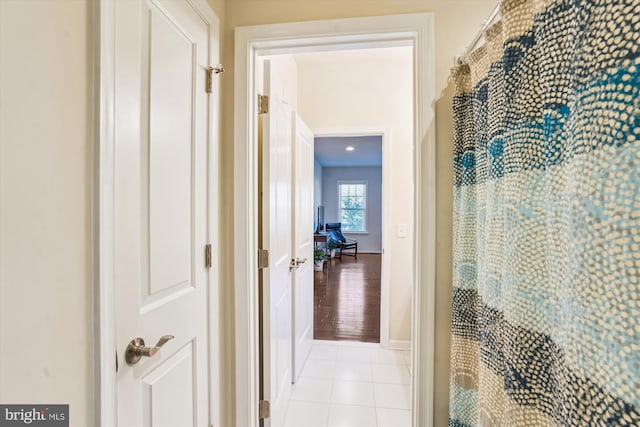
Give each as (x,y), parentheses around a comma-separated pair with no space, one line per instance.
(456,23)
(45,205)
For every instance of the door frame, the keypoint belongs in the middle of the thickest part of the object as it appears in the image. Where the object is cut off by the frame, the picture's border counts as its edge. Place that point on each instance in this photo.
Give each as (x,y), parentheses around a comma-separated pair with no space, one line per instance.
(385,278)
(103,204)
(415,30)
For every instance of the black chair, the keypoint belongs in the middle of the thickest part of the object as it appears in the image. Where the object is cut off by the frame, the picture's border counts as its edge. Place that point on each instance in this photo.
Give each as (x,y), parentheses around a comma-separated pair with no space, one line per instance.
(334,232)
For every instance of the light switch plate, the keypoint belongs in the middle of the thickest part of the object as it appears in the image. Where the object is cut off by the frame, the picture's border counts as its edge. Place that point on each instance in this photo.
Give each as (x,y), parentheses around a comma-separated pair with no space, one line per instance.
(402,230)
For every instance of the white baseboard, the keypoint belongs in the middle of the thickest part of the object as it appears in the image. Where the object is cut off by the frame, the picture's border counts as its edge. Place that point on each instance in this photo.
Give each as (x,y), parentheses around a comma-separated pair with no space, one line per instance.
(399,345)
(393,344)
(346,343)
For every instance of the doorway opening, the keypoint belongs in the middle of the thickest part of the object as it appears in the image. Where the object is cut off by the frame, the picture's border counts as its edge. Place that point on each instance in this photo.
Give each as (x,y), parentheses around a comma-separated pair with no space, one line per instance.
(350,293)
(252,43)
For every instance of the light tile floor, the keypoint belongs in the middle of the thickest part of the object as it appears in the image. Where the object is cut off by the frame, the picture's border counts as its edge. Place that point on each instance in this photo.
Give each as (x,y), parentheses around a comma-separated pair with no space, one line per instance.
(347,384)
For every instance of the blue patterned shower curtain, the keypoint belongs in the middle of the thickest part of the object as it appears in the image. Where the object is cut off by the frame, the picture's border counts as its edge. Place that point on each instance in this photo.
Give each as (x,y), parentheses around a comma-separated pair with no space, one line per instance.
(546,298)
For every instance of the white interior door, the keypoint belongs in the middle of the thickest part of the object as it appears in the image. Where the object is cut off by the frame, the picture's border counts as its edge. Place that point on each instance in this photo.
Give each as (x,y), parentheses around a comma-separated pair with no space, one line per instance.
(276,235)
(302,240)
(160,198)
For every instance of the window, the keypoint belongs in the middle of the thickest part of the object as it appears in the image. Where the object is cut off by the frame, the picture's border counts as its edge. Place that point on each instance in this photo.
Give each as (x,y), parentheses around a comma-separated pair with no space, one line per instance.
(352,202)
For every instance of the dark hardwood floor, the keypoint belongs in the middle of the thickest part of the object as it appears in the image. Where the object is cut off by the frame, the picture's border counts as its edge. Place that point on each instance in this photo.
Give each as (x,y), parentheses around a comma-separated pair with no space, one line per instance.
(347,299)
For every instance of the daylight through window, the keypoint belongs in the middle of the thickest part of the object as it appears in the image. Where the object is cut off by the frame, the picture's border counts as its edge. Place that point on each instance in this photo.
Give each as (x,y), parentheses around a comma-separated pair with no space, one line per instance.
(353,205)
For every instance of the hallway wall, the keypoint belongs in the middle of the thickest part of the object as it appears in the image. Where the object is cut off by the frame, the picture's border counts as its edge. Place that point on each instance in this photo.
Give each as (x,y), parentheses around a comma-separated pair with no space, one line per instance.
(45,205)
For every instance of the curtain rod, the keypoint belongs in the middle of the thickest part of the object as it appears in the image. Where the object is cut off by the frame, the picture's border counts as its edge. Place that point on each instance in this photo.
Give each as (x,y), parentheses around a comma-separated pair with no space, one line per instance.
(486,24)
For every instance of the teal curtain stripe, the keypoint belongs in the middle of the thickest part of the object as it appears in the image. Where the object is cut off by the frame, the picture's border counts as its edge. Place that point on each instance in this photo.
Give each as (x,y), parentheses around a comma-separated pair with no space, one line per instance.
(466,412)
(457,423)
(543,142)
(603,259)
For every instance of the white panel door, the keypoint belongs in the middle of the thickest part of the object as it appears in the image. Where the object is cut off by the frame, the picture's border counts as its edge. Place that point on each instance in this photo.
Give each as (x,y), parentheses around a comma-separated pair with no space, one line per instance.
(160,198)
(302,240)
(276,233)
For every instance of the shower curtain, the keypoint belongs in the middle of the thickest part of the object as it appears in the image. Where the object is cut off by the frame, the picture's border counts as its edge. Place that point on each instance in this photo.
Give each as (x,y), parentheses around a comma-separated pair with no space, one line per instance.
(546,297)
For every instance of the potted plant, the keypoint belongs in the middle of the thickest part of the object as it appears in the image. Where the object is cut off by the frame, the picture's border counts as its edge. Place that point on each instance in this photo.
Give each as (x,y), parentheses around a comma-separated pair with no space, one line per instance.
(332,245)
(318,259)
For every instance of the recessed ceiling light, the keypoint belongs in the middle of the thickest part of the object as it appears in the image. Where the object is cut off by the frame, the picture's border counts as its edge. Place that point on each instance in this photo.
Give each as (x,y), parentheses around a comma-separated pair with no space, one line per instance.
(349,148)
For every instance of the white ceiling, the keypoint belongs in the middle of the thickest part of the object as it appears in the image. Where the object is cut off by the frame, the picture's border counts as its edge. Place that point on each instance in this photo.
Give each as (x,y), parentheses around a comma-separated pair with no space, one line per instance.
(330,152)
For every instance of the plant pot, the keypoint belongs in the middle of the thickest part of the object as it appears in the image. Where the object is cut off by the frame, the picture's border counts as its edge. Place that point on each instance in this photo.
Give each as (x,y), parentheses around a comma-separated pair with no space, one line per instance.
(317,265)
(333,253)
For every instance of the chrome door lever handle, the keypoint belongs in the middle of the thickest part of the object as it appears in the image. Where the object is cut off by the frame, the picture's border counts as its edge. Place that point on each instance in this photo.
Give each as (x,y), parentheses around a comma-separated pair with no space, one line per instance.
(293,265)
(136,349)
(217,69)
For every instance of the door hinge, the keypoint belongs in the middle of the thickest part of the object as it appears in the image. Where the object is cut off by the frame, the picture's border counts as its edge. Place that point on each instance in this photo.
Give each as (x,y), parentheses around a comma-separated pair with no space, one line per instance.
(209,76)
(263,258)
(263,409)
(263,104)
(207,255)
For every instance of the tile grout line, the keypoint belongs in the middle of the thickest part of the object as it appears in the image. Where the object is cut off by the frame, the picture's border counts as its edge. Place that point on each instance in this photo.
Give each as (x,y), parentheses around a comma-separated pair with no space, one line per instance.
(330,397)
(375,401)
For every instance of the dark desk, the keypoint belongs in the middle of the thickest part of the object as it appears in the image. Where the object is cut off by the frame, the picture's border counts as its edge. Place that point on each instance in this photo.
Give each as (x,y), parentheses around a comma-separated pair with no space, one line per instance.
(321,238)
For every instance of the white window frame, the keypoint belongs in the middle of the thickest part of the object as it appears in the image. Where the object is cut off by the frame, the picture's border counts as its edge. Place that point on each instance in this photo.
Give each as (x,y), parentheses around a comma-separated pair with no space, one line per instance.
(366,204)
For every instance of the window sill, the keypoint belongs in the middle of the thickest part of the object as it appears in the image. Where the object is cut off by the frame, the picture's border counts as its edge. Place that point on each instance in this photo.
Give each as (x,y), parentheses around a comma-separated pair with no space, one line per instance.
(355,232)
